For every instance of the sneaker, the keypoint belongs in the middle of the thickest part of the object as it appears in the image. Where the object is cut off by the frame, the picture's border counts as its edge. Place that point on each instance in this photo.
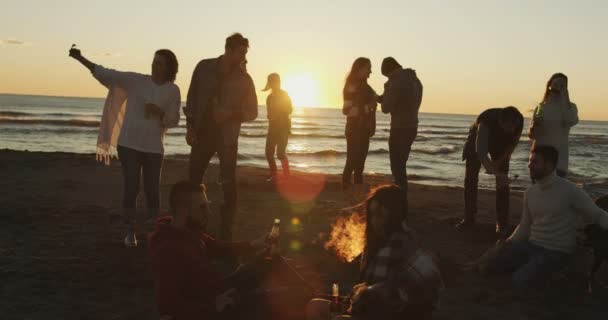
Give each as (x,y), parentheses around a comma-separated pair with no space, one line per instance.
(130,240)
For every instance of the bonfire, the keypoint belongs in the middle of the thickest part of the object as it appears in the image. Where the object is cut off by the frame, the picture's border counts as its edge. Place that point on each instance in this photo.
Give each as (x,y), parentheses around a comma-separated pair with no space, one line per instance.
(347,237)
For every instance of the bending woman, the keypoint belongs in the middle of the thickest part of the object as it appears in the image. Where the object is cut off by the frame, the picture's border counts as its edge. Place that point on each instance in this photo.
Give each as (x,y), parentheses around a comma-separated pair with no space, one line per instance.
(137,113)
(360,102)
(553,118)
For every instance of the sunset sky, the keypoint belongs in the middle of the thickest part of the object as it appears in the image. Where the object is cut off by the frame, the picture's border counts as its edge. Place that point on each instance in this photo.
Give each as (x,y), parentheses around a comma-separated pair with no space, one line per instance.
(470,54)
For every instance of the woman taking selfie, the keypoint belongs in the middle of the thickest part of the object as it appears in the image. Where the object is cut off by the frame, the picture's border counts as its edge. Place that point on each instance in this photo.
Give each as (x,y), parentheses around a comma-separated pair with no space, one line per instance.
(137,112)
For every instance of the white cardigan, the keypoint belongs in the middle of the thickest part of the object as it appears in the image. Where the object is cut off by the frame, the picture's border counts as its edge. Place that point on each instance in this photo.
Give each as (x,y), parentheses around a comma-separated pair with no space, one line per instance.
(128,119)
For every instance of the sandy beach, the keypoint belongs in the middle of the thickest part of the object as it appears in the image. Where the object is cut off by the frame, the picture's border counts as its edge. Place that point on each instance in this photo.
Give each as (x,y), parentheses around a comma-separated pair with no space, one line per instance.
(62,257)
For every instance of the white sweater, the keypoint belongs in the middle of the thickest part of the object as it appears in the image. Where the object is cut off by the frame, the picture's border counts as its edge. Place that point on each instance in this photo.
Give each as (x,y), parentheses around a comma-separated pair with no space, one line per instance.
(554,129)
(551,209)
(138,132)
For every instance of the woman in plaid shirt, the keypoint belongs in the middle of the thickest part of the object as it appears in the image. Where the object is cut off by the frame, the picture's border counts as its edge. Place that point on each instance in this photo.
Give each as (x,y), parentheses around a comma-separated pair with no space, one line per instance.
(398,279)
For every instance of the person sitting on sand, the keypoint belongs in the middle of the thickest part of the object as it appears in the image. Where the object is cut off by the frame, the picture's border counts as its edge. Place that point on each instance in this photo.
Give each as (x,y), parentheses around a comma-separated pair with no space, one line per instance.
(360,102)
(279,107)
(187,286)
(399,279)
(545,239)
(139,110)
(495,132)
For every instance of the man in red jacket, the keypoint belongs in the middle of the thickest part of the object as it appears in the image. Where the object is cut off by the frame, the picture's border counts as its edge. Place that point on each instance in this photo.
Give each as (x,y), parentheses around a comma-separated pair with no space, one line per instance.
(187,286)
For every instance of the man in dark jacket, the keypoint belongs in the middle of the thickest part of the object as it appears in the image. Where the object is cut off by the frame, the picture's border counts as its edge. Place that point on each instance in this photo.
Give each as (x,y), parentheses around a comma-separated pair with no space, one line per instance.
(496,133)
(221,97)
(402,98)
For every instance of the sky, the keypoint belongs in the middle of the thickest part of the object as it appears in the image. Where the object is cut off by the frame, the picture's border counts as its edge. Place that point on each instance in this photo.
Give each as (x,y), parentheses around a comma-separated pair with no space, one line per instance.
(470,54)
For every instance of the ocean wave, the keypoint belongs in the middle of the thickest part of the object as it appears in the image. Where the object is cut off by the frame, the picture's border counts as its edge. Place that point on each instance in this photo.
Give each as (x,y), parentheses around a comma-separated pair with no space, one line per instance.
(52,122)
(16,114)
(438,151)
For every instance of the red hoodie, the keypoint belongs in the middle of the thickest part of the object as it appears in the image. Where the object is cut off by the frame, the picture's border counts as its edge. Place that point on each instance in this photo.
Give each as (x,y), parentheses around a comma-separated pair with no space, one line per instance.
(186,284)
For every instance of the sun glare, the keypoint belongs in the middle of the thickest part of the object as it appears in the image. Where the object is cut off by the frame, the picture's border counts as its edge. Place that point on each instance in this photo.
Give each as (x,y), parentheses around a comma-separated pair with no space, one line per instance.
(302,88)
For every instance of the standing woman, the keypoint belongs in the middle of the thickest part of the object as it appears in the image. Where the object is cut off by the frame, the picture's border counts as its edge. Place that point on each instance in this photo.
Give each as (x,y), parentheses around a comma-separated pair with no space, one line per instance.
(553,118)
(360,103)
(279,108)
(136,115)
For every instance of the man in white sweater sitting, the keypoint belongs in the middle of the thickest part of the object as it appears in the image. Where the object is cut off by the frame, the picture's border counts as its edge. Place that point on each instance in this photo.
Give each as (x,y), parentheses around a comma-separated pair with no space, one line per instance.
(545,239)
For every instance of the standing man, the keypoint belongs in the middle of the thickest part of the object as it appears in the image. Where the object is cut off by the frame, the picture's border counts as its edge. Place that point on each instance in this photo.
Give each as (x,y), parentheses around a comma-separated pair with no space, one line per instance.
(221,97)
(495,132)
(402,98)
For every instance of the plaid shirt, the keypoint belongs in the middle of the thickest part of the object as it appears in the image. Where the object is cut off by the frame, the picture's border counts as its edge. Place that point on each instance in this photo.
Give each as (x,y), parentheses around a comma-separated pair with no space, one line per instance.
(411,273)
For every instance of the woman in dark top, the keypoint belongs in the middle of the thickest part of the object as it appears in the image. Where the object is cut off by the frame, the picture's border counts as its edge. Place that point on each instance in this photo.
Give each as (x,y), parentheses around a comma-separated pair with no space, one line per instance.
(360,103)
(279,108)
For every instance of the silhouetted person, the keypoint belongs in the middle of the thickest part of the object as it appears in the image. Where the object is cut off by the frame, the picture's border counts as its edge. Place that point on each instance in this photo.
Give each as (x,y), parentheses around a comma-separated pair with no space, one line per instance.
(398,278)
(221,97)
(496,133)
(278,109)
(402,98)
(360,102)
(187,284)
(553,118)
(137,113)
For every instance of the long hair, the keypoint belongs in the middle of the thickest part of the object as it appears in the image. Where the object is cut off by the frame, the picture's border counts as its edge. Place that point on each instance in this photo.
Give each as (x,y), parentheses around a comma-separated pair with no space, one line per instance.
(554,76)
(391,198)
(359,64)
(172,64)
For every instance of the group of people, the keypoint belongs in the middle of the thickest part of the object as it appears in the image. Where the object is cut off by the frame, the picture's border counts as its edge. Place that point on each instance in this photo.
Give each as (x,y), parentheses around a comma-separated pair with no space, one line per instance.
(398,276)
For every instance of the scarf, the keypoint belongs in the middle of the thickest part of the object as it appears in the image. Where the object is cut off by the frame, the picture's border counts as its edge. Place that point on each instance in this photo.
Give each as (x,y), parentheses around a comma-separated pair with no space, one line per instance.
(112,119)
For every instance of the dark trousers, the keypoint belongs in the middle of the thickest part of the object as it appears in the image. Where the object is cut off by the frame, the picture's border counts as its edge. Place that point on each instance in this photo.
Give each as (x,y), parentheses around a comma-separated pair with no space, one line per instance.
(223,140)
(357,147)
(276,139)
(531,265)
(399,146)
(471,182)
(133,163)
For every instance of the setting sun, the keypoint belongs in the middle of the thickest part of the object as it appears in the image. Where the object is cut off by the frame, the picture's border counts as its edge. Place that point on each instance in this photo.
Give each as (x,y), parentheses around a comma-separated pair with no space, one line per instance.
(303,89)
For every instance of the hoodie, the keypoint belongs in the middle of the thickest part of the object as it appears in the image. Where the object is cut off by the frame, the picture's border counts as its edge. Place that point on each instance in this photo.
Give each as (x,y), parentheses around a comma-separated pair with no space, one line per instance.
(402,98)
(186,284)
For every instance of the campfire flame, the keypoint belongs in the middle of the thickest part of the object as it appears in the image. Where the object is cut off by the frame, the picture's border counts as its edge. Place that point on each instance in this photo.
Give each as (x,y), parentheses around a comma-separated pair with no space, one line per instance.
(347,237)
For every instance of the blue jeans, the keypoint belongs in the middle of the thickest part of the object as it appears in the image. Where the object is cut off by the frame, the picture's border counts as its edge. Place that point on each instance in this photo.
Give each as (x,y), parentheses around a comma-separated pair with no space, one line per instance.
(133,163)
(531,265)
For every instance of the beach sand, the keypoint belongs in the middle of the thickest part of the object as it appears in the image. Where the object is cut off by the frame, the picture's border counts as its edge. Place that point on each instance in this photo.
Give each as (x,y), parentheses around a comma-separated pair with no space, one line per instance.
(62,257)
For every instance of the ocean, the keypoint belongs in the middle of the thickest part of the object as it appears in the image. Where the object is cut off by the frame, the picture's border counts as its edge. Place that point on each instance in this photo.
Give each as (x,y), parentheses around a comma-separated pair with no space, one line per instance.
(317,144)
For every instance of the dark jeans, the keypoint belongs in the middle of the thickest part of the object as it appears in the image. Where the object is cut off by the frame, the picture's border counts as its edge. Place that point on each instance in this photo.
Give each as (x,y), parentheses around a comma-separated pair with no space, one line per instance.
(223,140)
(276,139)
(399,145)
(531,265)
(133,163)
(471,181)
(357,147)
